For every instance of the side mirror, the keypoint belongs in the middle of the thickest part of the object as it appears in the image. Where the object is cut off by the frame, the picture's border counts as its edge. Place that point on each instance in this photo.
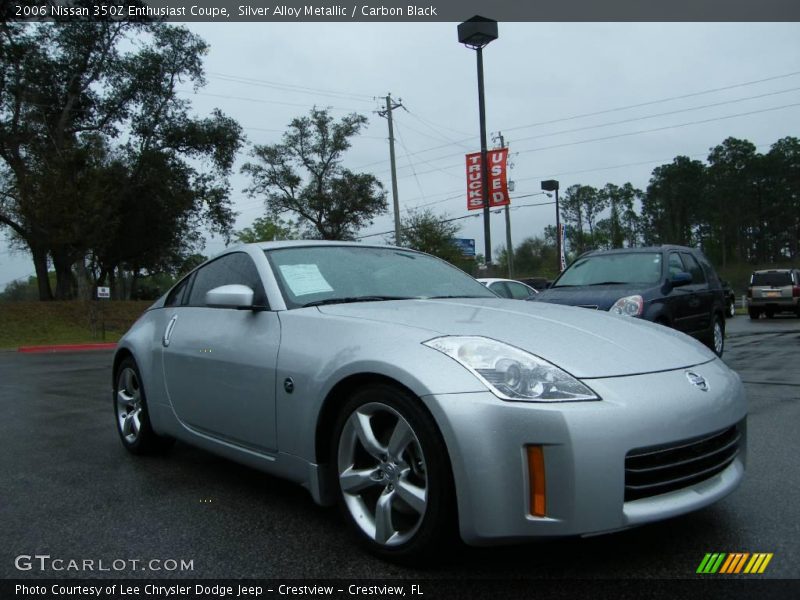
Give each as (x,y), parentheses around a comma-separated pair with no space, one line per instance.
(682,278)
(230,296)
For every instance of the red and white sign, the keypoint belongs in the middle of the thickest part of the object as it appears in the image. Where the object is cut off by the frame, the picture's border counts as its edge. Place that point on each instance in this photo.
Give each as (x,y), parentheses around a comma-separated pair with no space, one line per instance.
(498,185)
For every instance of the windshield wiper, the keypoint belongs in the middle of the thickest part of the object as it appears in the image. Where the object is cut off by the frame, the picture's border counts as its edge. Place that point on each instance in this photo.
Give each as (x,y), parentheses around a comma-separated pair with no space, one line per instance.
(607,283)
(350,299)
(453,296)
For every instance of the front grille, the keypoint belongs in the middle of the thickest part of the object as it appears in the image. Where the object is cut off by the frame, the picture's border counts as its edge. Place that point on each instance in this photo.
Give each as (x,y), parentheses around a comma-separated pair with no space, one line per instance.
(661,469)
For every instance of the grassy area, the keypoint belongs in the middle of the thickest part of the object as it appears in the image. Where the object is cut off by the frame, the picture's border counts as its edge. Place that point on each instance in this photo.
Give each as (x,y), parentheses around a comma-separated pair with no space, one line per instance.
(34,323)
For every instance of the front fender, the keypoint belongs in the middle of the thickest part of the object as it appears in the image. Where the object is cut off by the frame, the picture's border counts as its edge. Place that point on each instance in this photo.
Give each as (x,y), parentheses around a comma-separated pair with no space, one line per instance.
(351,348)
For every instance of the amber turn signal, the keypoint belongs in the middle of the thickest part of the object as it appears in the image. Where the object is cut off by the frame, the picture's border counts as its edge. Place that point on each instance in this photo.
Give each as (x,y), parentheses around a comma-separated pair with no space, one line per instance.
(536,480)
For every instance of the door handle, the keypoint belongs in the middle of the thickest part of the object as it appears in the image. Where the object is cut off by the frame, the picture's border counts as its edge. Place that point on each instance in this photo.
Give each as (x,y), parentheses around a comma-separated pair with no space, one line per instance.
(168,331)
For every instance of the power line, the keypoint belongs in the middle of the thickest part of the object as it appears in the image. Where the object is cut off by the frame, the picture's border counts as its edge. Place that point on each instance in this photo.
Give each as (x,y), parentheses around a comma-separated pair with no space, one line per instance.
(428,135)
(610,110)
(653,116)
(455,195)
(477,214)
(631,133)
(400,139)
(360,135)
(659,101)
(290,87)
(678,126)
(363,237)
(577,129)
(436,128)
(260,100)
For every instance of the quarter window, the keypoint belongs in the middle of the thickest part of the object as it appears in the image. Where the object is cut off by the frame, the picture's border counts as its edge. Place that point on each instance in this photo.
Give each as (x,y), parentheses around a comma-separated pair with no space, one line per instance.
(177,294)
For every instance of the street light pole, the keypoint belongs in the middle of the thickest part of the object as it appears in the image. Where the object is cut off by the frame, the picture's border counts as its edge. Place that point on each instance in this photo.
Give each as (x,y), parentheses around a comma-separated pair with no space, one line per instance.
(558,234)
(551,185)
(476,33)
(487,230)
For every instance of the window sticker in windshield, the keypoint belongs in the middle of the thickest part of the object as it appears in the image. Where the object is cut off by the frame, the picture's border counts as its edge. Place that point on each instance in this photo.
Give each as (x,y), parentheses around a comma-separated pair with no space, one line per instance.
(304,279)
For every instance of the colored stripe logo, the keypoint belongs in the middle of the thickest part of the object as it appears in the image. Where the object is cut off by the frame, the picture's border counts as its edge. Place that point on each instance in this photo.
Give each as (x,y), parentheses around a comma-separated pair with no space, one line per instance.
(734,563)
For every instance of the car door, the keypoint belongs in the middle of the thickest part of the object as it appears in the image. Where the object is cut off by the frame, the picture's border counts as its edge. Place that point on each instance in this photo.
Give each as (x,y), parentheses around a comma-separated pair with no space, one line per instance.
(701,299)
(219,363)
(679,299)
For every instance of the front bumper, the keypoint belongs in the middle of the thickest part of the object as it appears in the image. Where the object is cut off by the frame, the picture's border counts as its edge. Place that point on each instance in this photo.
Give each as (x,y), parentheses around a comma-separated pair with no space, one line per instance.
(585,444)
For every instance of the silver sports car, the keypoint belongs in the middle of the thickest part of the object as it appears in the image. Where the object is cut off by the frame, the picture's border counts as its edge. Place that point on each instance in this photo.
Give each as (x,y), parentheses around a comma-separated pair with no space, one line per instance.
(393,384)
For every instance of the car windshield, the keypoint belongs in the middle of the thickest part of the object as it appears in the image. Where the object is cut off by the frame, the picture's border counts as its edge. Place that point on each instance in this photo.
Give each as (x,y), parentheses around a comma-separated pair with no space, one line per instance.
(634,267)
(775,279)
(312,275)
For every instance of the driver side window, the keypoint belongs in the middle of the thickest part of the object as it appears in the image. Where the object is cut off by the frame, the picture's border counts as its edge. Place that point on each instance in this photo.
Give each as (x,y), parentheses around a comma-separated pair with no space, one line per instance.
(235,268)
(675,264)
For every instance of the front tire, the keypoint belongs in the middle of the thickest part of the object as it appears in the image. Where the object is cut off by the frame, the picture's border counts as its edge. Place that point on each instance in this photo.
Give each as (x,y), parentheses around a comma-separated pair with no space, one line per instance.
(132,417)
(393,477)
(754,313)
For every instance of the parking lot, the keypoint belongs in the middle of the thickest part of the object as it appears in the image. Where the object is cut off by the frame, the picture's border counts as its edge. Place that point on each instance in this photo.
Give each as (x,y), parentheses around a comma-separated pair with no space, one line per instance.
(71,491)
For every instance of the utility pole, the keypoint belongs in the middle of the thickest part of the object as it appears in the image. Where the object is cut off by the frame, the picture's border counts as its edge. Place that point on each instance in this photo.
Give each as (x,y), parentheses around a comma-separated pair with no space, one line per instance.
(509,247)
(390,106)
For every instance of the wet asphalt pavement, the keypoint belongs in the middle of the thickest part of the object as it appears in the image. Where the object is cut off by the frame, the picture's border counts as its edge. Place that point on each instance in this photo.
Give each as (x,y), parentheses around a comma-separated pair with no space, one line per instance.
(70,490)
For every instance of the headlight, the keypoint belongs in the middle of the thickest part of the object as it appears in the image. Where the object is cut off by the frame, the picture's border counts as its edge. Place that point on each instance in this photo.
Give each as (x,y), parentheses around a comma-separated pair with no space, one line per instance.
(630,306)
(511,373)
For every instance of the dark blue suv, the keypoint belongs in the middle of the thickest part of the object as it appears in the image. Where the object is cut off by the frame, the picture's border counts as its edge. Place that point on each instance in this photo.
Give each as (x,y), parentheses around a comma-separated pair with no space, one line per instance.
(672,285)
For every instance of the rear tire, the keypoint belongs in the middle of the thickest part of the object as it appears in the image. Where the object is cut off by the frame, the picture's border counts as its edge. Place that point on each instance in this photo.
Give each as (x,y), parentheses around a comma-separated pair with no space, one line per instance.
(132,417)
(754,313)
(716,337)
(394,482)
(731,309)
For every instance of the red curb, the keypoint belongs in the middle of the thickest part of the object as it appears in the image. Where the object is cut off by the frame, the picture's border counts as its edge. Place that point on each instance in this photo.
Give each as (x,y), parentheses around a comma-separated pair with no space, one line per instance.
(67,348)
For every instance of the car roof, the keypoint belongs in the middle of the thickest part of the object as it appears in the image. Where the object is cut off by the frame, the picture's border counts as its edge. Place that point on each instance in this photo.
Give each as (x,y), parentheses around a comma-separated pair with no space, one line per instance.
(640,249)
(300,243)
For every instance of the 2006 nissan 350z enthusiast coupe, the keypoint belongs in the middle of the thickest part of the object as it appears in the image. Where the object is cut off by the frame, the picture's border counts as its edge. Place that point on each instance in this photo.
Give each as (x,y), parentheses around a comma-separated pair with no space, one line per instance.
(391,383)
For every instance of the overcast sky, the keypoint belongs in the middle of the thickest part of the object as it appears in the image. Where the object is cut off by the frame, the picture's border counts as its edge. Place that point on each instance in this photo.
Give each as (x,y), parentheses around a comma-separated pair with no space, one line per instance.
(541,81)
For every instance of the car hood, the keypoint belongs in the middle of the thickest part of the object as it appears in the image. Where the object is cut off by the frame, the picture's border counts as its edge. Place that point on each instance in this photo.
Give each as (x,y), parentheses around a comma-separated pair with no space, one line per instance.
(600,296)
(585,343)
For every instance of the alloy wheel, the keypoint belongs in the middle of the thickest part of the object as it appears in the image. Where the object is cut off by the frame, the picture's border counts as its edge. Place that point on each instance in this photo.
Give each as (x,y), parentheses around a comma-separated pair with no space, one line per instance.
(382,474)
(129,405)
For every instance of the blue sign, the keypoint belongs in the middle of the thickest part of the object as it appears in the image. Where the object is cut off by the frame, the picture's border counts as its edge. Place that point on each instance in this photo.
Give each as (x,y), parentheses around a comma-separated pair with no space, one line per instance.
(466,246)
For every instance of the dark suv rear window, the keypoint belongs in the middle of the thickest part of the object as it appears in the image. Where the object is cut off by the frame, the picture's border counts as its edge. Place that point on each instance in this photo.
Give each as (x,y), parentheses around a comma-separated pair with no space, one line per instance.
(772,279)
